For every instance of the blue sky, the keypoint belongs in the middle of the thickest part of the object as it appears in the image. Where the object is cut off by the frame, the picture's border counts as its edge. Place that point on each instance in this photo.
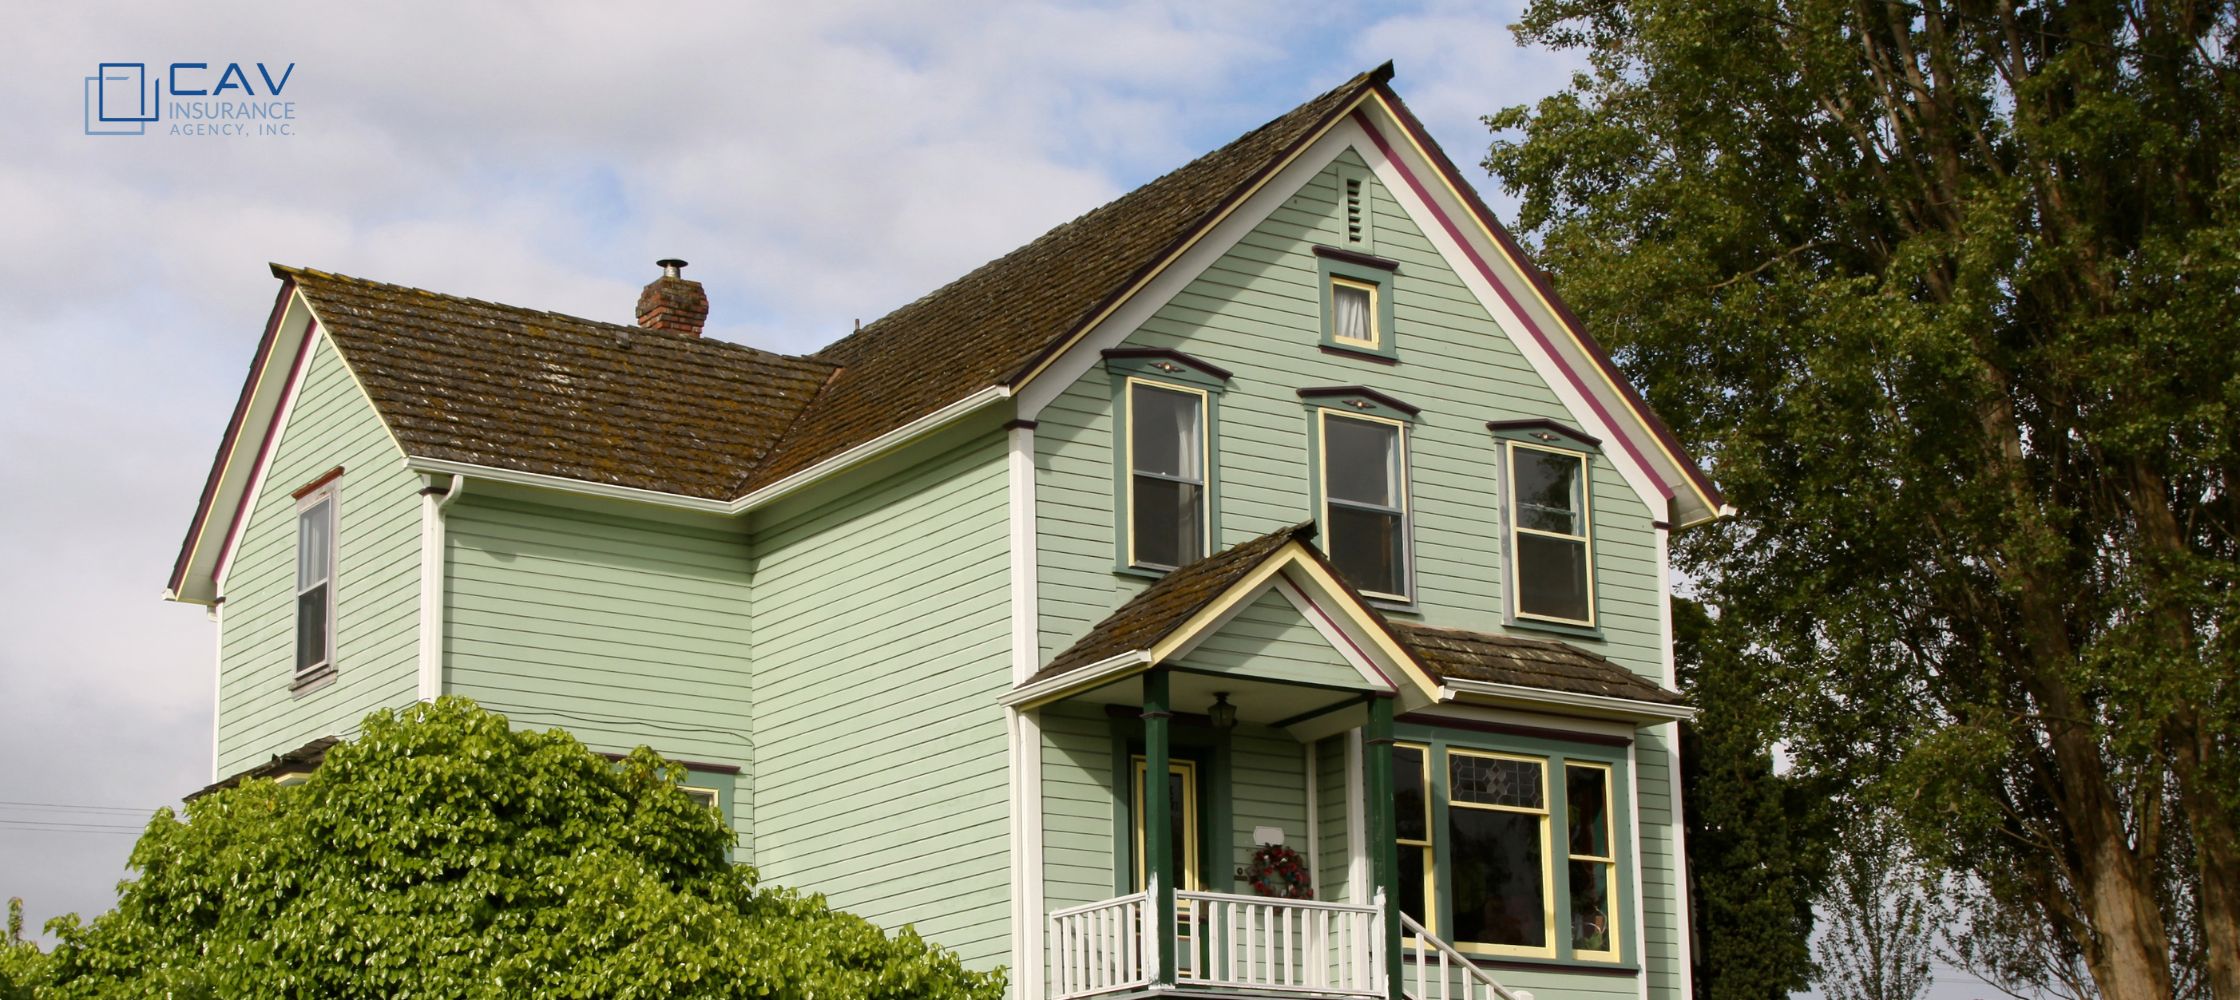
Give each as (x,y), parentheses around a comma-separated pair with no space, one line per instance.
(817,163)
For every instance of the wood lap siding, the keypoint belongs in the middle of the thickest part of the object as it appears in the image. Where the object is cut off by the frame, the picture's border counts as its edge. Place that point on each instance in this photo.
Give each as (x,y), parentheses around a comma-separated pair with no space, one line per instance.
(1256,312)
(620,630)
(1078,805)
(376,586)
(1269,639)
(882,641)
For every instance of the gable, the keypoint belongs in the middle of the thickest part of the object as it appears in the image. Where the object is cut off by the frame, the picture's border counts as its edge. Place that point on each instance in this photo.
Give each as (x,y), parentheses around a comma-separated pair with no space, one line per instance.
(1269,638)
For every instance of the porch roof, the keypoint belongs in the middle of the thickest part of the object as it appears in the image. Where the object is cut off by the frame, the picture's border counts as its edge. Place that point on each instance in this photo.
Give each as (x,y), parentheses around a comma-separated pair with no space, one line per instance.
(1478,662)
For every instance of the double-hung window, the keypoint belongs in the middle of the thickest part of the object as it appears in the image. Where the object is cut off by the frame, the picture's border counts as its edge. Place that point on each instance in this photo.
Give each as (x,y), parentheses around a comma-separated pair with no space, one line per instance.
(1510,853)
(1364,462)
(1551,560)
(315,562)
(1167,458)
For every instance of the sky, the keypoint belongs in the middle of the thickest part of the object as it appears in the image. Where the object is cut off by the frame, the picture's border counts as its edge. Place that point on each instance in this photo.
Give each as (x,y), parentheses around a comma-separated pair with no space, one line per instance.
(817,163)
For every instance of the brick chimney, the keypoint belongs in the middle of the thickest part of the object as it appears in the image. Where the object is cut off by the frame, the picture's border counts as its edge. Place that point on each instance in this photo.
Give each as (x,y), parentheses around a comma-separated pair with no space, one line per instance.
(672,303)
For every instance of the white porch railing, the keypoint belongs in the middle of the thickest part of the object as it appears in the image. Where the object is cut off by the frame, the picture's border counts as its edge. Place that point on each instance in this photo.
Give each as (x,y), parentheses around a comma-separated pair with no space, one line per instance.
(1102,947)
(1289,945)
(1435,958)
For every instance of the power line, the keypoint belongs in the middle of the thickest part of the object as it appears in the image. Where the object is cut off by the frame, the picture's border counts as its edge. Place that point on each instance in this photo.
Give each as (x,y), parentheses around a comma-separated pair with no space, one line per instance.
(63,826)
(80,807)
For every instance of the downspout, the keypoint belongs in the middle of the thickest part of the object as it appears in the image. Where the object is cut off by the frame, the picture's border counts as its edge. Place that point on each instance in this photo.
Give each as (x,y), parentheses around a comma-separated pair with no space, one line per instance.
(434,500)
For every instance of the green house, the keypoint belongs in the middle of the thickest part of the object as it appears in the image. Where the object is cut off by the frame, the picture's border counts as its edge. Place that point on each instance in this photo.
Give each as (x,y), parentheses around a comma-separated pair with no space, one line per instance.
(1282,488)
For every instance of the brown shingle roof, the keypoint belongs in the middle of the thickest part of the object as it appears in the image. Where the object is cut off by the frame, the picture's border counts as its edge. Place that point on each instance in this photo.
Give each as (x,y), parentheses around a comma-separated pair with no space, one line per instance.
(307,757)
(990,326)
(1164,606)
(463,380)
(1532,663)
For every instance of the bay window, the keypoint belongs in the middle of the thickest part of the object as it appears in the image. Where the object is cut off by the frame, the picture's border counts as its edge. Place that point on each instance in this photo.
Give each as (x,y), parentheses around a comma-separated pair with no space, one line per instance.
(1511,853)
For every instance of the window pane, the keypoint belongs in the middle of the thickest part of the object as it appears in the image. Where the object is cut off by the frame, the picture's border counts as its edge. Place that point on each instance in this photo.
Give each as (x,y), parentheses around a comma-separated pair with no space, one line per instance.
(314,528)
(1408,798)
(1412,860)
(1494,781)
(1499,895)
(311,627)
(1365,545)
(1349,313)
(1363,461)
(1552,577)
(1585,804)
(1547,487)
(1165,432)
(1590,905)
(1178,827)
(1169,522)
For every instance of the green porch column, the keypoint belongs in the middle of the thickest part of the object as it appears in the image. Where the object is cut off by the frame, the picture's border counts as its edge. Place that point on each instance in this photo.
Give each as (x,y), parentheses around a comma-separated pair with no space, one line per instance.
(1158,819)
(1384,835)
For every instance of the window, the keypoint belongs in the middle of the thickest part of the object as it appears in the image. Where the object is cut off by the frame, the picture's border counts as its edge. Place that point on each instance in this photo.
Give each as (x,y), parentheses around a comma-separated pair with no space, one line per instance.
(704,796)
(1353,313)
(315,558)
(1480,864)
(1182,817)
(1593,859)
(1167,459)
(1365,501)
(1356,296)
(1551,548)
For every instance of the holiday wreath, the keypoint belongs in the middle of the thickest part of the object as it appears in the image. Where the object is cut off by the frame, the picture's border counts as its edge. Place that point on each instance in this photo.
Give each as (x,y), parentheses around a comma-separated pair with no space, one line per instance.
(1277,871)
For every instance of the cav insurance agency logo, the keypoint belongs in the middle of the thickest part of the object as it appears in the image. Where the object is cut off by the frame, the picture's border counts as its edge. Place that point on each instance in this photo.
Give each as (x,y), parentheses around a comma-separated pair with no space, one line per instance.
(188,99)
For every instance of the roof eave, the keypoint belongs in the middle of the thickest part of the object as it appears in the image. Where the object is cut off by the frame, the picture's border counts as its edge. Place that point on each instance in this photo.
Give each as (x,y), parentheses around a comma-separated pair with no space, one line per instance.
(1608,706)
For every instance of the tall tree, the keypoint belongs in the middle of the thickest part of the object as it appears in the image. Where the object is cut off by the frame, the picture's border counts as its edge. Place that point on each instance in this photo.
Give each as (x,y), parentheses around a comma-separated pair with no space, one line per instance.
(1880,940)
(1947,291)
(1757,839)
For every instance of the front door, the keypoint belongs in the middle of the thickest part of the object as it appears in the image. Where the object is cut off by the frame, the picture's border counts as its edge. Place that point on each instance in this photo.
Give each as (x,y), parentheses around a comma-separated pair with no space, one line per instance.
(1182,808)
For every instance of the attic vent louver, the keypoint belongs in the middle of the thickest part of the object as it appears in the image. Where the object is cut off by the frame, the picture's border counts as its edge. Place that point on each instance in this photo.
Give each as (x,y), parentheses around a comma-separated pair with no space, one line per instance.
(1354,227)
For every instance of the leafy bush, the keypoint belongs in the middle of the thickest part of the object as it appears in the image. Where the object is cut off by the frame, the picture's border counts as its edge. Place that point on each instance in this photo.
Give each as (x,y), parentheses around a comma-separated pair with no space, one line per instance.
(445,854)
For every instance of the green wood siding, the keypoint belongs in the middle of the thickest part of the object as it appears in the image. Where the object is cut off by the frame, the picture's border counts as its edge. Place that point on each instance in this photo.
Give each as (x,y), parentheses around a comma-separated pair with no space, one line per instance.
(376,584)
(1330,803)
(881,642)
(1269,639)
(1079,806)
(1267,787)
(621,630)
(1256,312)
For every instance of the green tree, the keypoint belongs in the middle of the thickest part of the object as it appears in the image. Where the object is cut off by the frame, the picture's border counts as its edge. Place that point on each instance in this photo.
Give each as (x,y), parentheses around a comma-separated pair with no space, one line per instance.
(23,967)
(445,854)
(1880,939)
(1757,840)
(1946,292)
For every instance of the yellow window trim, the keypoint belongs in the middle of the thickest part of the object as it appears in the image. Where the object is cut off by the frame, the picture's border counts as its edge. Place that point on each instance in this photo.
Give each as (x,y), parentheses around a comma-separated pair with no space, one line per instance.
(1426,845)
(1610,838)
(1188,769)
(1376,335)
(1400,491)
(1586,521)
(1205,463)
(1547,858)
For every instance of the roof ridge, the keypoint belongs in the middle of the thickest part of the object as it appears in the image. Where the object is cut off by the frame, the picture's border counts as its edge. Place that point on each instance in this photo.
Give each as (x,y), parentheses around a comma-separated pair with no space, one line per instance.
(290,271)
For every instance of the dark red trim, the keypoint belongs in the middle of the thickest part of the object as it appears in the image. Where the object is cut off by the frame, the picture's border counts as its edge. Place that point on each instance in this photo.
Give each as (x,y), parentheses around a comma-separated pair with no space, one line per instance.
(1377,78)
(1661,525)
(1342,391)
(264,449)
(1357,257)
(696,765)
(1551,426)
(1020,425)
(1601,357)
(1193,361)
(1343,352)
(1509,729)
(324,478)
(233,430)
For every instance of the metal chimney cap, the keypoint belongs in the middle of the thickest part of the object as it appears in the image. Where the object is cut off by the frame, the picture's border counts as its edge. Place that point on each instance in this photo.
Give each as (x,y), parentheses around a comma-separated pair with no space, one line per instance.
(670,267)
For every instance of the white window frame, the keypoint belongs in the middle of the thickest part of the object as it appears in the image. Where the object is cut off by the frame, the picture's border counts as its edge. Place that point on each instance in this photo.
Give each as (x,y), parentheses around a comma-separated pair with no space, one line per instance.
(1205,465)
(1586,535)
(1546,812)
(1401,490)
(1375,340)
(330,494)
